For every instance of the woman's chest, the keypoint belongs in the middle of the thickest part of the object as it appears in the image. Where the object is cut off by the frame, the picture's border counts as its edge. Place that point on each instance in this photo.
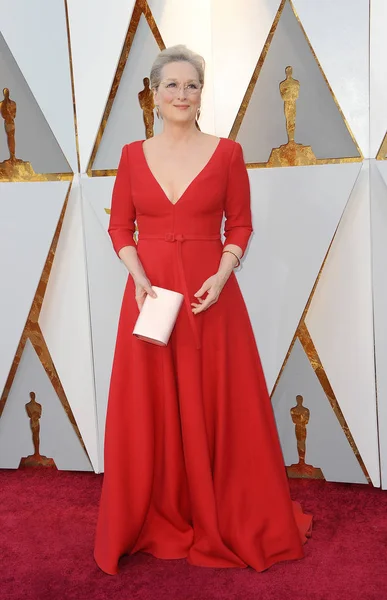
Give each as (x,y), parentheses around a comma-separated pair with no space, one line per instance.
(175,174)
(203,193)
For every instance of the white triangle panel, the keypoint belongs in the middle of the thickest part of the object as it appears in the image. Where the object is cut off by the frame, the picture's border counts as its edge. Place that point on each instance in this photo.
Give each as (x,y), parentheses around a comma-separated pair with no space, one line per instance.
(98,192)
(239,32)
(39,43)
(340,322)
(295,214)
(339,35)
(65,323)
(191,24)
(107,279)
(379,264)
(29,214)
(58,439)
(378,75)
(95,62)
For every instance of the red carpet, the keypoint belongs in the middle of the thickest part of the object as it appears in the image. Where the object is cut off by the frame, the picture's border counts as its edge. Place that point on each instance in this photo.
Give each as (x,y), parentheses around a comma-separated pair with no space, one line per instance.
(47,523)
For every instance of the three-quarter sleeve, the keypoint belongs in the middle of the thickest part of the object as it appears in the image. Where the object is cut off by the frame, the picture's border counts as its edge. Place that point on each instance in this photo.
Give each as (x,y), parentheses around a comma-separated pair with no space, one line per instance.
(238,226)
(122,213)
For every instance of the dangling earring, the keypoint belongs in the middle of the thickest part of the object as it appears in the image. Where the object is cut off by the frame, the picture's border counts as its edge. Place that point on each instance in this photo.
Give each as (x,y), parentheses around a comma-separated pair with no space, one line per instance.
(198,114)
(157,112)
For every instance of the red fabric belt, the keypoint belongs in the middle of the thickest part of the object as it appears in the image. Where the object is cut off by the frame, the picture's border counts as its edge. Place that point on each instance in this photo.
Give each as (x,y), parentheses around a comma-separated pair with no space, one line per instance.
(179,238)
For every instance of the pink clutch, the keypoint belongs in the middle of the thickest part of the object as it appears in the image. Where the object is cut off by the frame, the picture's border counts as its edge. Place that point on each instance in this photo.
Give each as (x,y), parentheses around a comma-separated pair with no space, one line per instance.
(158,316)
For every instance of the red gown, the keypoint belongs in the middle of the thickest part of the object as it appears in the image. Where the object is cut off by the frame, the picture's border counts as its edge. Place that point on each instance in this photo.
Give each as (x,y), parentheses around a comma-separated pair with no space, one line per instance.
(193,464)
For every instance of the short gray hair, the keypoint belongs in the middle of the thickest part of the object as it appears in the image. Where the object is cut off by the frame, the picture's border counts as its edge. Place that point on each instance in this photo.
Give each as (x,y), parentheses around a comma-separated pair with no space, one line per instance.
(177,53)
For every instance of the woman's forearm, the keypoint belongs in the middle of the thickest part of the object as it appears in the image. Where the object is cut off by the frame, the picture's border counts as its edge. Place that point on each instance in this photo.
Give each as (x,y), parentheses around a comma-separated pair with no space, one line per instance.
(130,258)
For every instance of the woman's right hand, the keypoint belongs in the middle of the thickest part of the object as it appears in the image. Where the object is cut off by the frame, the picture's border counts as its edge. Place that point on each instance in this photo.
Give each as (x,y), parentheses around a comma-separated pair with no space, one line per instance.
(142,289)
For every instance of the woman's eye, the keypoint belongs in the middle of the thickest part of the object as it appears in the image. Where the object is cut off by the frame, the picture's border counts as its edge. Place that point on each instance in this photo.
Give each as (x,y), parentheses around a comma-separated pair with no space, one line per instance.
(171,85)
(193,86)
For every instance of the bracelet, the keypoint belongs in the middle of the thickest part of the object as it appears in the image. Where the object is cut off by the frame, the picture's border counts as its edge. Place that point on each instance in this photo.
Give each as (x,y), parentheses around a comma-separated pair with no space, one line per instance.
(233,253)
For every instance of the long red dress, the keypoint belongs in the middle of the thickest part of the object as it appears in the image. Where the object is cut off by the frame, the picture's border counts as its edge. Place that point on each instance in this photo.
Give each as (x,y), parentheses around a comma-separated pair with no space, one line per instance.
(193,464)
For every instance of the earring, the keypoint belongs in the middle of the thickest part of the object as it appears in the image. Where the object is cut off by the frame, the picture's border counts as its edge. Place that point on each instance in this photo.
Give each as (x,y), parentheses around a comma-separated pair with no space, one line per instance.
(198,114)
(157,112)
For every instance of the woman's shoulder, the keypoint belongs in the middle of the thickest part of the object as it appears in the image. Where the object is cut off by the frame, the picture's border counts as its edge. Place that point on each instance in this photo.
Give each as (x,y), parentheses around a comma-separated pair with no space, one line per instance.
(226,142)
(232,144)
(231,148)
(133,145)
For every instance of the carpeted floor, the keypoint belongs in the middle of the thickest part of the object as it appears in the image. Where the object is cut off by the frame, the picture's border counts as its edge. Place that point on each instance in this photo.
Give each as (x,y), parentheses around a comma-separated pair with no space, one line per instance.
(47,521)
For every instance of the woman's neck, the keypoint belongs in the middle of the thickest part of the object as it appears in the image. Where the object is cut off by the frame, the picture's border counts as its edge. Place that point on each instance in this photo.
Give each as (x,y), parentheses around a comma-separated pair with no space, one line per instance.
(179,133)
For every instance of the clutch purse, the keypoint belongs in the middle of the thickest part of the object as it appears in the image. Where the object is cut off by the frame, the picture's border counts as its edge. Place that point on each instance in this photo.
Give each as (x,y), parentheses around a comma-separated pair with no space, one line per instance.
(158,316)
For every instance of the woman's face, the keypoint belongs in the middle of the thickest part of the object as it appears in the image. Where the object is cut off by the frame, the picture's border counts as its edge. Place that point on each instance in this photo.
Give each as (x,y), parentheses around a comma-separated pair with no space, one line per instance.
(179,93)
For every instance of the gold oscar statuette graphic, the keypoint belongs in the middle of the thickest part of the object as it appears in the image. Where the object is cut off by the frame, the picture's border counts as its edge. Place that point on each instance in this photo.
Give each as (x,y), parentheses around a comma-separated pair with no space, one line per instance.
(145,98)
(290,154)
(34,411)
(300,417)
(12,168)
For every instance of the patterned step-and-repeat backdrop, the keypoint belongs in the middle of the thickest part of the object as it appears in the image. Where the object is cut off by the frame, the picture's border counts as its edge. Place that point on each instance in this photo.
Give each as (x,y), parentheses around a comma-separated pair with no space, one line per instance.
(303,87)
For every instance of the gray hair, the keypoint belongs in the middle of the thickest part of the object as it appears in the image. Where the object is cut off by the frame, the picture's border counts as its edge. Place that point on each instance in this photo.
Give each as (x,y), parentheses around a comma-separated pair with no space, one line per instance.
(177,53)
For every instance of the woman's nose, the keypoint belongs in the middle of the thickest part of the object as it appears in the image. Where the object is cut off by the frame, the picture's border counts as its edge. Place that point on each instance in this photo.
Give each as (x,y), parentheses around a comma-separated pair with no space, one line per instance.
(181,92)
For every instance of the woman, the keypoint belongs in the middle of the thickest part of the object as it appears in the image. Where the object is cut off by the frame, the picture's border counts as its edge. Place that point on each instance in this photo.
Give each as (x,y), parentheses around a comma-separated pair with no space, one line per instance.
(193,465)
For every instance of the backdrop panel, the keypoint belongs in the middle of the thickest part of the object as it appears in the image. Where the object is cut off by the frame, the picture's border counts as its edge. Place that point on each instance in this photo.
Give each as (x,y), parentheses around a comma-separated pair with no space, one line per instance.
(29,216)
(65,323)
(293,231)
(36,33)
(35,141)
(239,32)
(339,35)
(107,278)
(379,260)
(319,123)
(317,307)
(378,75)
(97,36)
(327,446)
(58,440)
(340,323)
(125,121)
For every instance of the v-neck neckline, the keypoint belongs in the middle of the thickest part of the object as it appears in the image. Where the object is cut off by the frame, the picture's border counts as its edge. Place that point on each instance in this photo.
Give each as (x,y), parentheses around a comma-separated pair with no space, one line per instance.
(192,180)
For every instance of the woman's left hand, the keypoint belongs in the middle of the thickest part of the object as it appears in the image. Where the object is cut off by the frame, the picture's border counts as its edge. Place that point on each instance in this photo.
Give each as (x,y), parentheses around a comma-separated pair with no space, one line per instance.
(213,286)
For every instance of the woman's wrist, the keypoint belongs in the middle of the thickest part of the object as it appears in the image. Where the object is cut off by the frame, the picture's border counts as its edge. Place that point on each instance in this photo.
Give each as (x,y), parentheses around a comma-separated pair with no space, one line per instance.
(229,260)
(138,274)
(226,266)
(235,255)
(134,269)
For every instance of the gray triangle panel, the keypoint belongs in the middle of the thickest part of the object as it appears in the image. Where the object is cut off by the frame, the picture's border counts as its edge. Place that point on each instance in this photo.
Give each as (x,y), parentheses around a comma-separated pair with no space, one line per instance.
(319,123)
(327,446)
(35,141)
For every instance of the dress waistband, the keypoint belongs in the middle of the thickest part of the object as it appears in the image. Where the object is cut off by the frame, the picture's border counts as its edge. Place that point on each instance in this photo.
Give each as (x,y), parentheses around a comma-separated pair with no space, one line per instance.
(179,238)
